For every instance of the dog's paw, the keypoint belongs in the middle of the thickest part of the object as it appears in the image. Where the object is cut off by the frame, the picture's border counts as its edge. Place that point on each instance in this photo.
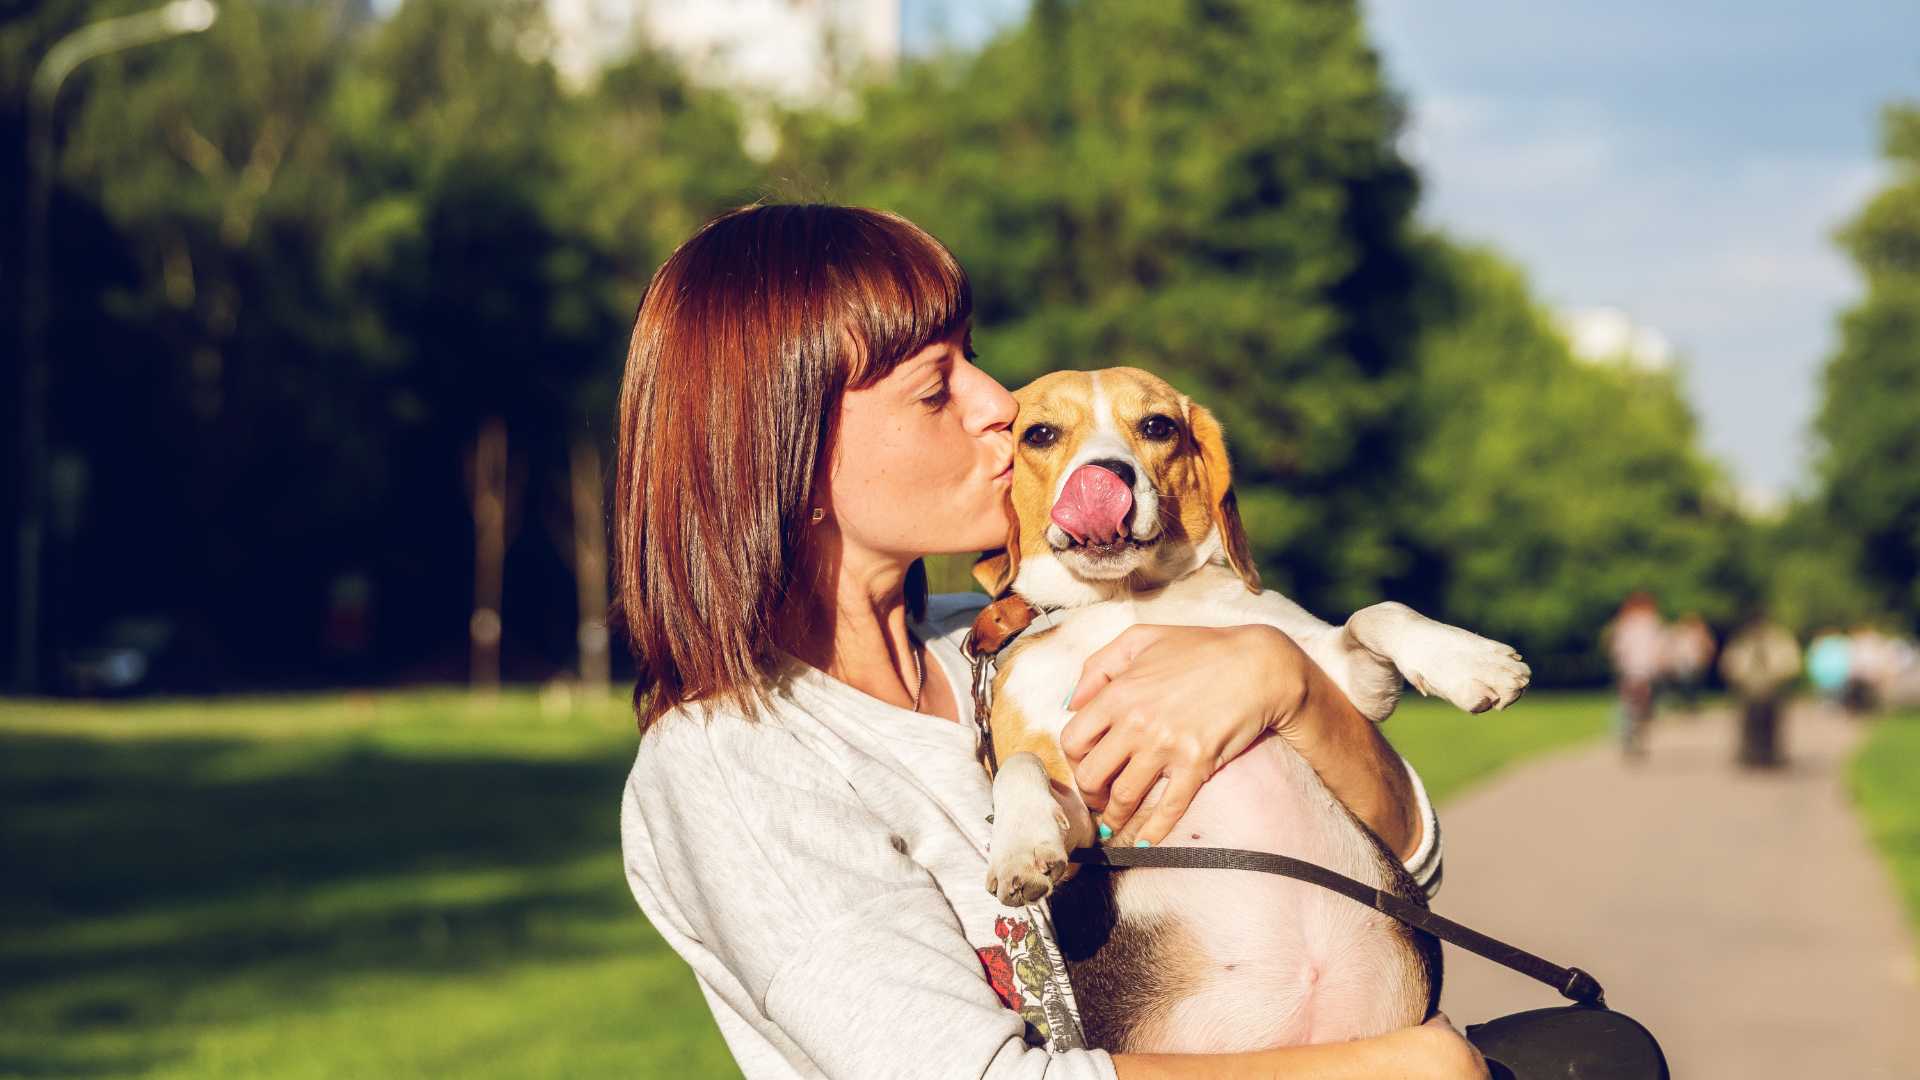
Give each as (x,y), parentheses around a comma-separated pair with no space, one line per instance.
(1022,869)
(1472,672)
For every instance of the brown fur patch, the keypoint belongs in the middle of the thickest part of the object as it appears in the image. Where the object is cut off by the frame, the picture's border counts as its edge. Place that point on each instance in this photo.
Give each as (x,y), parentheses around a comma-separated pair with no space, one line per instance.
(1127,975)
(1191,472)
(1425,946)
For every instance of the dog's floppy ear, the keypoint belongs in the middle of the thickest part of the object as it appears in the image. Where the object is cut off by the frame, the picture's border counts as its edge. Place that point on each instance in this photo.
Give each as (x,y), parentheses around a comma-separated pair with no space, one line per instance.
(1217,479)
(995,570)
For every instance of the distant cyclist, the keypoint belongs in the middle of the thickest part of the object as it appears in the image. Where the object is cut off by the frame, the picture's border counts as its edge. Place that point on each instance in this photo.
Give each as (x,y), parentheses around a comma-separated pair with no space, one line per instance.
(1636,643)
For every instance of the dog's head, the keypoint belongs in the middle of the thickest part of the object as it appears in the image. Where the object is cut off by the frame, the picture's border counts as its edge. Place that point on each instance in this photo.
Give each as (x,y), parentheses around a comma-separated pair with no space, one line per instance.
(1120,483)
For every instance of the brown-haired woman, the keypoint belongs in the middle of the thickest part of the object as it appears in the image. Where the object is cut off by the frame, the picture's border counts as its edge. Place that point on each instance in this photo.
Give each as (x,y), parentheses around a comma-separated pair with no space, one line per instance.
(806,823)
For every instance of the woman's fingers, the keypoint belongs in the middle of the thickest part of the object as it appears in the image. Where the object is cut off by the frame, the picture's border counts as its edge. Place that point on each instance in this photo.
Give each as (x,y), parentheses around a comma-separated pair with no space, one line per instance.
(1083,731)
(1138,778)
(1106,665)
(1101,764)
(1183,782)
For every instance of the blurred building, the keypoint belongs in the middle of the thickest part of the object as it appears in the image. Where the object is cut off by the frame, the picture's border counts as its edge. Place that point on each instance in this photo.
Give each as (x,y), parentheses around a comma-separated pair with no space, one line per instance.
(785,51)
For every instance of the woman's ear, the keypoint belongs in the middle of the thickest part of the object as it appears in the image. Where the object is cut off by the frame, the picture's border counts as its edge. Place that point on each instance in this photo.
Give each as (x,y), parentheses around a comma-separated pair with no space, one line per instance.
(1217,479)
(995,570)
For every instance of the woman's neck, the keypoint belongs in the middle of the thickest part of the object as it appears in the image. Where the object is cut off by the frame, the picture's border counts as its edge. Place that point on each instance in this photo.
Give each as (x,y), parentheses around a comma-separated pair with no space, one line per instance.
(853,626)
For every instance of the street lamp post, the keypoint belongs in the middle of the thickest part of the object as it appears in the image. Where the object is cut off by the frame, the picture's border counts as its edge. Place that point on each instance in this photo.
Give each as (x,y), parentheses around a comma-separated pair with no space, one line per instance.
(96,39)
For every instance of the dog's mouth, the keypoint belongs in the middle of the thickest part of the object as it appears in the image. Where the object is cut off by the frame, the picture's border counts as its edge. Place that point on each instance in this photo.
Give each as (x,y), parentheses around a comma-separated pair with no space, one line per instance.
(1095,513)
(1112,549)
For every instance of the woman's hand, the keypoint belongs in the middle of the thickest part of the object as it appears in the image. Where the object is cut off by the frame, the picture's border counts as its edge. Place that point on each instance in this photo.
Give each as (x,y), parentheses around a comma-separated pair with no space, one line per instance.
(1432,1051)
(1439,1047)
(1179,702)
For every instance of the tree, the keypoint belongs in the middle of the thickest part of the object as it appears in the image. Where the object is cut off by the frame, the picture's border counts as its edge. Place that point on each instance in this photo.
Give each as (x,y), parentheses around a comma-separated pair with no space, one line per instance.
(298,292)
(1207,189)
(1869,420)
(1543,489)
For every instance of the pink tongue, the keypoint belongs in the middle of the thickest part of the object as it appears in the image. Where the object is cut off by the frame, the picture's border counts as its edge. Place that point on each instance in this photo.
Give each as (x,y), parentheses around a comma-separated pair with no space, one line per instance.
(1092,505)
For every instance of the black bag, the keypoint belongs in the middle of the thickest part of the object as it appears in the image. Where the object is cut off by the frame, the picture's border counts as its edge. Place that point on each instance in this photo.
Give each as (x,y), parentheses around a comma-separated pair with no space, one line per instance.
(1582,1041)
(1572,1042)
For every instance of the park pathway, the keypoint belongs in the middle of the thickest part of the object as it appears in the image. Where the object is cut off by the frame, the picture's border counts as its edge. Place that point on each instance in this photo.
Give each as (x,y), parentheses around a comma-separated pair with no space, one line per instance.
(1743,917)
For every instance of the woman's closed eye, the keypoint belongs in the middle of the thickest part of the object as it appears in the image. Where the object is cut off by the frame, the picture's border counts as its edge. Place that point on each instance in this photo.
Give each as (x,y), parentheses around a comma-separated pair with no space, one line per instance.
(938,396)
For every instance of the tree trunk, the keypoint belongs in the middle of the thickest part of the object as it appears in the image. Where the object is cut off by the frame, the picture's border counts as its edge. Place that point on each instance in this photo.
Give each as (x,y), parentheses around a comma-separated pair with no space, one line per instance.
(487,472)
(590,568)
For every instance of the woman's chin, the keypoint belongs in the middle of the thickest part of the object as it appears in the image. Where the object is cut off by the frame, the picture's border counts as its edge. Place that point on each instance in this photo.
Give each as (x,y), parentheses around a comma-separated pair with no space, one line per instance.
(965,542)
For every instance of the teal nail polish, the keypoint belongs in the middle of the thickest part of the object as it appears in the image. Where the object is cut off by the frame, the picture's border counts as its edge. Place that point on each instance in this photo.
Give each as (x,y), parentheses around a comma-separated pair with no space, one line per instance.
(1143,843)
(1069,700)
(1106,831)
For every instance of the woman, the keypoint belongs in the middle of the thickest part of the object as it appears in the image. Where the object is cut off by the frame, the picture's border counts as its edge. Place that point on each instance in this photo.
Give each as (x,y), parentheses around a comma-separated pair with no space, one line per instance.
(806,822)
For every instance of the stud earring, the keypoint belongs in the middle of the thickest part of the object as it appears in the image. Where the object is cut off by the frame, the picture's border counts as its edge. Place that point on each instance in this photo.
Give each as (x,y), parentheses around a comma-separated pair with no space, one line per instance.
(819,515)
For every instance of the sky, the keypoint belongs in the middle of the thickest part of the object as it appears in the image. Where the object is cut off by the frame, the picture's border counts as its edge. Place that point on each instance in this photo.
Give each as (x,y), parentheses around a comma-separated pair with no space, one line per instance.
(1683,162)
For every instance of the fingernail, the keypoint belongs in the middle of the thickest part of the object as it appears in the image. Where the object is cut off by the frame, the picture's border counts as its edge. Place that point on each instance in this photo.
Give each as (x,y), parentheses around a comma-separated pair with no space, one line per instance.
(1106,831)
(1143,843)
(1068,703)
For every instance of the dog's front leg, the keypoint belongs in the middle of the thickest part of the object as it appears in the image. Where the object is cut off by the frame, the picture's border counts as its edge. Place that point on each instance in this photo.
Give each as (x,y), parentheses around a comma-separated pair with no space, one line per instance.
(1036,820)
(1472,672)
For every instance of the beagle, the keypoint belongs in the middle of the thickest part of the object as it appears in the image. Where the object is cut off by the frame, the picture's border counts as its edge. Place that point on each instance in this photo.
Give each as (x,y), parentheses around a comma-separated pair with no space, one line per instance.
(1124,513)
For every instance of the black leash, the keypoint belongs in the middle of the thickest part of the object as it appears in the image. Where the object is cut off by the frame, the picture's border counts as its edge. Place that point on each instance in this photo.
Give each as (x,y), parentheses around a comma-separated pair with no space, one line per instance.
(1572,983)
(1004,620)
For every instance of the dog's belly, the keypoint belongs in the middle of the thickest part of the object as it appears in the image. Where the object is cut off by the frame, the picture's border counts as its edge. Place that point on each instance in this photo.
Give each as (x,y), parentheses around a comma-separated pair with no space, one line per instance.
(1196,961)
(1273,961)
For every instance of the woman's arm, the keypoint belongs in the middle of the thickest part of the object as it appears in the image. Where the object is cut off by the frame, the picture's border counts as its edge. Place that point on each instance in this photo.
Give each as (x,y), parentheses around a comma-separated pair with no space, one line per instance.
(1434,1049)
(1183,701)
(793,902)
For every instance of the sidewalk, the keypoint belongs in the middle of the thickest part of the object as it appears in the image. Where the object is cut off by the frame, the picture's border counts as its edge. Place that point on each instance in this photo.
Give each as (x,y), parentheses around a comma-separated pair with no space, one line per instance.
(1742,917)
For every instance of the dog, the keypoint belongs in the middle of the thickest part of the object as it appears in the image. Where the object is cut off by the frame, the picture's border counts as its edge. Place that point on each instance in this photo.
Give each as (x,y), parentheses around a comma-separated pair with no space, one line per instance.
(1123,512)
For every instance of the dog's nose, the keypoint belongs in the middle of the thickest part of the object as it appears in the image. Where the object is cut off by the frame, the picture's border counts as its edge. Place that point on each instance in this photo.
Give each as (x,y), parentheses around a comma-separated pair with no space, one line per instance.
(1118,468)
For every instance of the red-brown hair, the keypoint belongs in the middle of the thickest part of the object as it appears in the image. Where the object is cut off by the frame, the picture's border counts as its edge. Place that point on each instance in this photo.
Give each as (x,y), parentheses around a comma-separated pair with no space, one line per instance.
(745,341)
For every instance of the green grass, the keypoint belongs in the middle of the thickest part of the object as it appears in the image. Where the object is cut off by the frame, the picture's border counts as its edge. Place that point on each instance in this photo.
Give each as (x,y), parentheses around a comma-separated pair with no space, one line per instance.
(1885,778)
(383,886)
(1454,751)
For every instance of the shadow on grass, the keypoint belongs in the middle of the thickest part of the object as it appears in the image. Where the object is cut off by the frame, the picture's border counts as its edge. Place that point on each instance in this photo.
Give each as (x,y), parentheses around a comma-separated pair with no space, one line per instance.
(97,827)
(224,878)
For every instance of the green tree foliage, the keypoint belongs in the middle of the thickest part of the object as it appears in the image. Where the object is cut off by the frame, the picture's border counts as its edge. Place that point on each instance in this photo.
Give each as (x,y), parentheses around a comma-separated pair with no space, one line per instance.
(1208,189)
(1869,421)
(330,264)
(1544,488)
(1811,571)
(300,259)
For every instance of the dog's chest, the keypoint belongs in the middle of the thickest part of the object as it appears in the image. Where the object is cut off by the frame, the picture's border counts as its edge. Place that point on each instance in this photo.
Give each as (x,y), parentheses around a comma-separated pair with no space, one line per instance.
(1045,663)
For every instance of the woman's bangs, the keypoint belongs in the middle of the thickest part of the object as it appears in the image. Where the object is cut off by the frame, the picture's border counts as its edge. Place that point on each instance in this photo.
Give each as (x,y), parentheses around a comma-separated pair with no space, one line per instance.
(906,291)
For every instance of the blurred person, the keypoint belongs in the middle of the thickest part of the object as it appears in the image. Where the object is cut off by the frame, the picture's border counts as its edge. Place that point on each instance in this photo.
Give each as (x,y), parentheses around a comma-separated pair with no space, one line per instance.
(1903,692)
(1830,666)
(1636,644)
(1875,664)
(1758,663)
(1689,647)
(801,421)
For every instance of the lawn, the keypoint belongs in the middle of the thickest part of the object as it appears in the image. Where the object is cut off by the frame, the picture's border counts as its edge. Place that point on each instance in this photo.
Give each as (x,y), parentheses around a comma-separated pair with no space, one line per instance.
(387,886)
(1885,777)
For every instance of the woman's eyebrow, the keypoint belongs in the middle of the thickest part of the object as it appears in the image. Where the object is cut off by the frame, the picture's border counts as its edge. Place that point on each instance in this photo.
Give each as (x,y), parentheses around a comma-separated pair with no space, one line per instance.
(940,363)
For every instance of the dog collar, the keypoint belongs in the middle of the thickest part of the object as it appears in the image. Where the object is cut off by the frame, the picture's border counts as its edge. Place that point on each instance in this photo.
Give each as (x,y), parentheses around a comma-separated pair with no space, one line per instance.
(998,624)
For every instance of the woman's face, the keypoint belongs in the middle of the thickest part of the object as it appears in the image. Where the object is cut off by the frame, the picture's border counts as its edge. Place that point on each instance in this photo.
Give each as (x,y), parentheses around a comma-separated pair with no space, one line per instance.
(923,458)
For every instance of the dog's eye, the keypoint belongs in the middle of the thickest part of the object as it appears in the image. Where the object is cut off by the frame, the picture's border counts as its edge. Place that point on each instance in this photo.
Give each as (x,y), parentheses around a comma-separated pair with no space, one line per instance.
(1159,428)
(1039,436)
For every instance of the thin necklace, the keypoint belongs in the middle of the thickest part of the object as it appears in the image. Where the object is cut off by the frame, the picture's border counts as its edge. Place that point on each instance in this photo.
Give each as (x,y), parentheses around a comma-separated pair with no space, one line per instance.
(919,673)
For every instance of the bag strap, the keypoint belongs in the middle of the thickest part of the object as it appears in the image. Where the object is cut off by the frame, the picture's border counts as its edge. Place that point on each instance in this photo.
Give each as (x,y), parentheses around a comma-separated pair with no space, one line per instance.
(1572,983)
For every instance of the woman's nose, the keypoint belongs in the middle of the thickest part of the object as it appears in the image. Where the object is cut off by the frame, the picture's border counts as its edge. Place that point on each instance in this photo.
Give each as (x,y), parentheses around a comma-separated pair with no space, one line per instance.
(993,408)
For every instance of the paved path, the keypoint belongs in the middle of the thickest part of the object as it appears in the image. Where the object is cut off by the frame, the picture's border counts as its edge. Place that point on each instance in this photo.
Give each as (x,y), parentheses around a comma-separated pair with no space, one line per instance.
(1742,917)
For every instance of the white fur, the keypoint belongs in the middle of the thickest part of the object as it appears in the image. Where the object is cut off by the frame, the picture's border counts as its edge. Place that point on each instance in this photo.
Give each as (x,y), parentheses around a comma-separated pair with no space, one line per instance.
(1029,845)
(1283,962)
